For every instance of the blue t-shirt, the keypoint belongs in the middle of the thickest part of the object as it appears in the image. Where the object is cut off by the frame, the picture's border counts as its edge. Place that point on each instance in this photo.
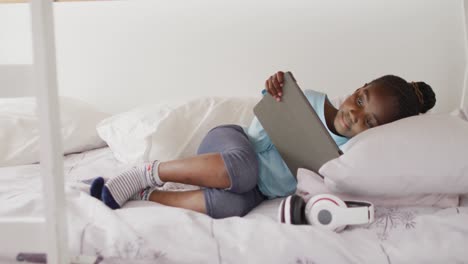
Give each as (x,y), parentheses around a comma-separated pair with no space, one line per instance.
(275,179)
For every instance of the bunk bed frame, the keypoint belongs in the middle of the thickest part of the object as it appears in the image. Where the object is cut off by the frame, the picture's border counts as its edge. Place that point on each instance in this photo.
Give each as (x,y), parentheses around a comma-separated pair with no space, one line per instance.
(52,229)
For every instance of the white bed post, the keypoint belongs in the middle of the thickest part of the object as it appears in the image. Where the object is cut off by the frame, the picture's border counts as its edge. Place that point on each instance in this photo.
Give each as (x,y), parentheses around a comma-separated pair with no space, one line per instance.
(464,97)
(51,144)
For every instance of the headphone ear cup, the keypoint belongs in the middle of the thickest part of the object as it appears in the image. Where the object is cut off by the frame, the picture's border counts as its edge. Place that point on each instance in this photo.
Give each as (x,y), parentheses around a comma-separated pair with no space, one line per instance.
(321,211)
(284,215)
(292,211)
(281,213)
(297,210)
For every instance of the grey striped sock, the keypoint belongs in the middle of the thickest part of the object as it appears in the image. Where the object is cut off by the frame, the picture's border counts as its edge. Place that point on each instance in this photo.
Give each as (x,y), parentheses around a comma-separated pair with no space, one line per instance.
(130,182)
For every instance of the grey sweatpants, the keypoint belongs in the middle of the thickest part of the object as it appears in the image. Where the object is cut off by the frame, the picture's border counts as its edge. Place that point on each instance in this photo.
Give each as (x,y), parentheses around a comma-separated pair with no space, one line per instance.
(241,164)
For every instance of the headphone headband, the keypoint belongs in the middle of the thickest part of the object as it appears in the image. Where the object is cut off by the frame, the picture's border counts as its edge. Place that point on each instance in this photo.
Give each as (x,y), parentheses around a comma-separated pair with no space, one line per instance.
(359,214)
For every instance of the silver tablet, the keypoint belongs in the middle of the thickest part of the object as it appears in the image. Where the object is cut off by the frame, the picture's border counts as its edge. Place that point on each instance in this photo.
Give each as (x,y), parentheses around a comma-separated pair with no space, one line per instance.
(295,128)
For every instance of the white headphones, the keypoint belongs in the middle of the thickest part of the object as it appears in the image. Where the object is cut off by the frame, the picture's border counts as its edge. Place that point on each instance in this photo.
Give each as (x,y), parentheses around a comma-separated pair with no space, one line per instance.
(325,211)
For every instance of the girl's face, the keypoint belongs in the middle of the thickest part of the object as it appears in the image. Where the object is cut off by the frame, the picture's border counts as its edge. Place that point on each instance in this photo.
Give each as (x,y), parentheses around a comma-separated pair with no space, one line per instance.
(369,106)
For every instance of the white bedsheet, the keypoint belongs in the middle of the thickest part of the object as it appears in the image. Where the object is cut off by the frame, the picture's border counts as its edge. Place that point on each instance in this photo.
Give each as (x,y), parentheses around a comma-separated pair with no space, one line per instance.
(146,232)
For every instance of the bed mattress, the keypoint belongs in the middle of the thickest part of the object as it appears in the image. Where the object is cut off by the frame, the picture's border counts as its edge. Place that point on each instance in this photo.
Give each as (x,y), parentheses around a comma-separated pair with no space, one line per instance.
(147,232)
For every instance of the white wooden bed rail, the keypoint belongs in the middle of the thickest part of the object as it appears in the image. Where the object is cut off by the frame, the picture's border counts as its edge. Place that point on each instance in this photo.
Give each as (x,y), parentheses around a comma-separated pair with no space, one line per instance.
(44,239)
(45,73)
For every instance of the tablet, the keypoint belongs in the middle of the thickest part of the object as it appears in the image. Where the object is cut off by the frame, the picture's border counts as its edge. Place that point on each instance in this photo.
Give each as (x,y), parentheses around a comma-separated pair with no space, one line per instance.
(295,129)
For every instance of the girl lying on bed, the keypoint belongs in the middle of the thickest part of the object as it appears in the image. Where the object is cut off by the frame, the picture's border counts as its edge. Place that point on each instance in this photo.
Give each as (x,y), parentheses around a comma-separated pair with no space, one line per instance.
(238,167)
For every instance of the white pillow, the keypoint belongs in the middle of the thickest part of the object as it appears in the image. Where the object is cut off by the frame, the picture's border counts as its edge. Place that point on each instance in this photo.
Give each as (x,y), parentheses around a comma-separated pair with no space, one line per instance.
(310,183)
(19,134)
(174,131)
(182,131)
(416,155)
(127,134)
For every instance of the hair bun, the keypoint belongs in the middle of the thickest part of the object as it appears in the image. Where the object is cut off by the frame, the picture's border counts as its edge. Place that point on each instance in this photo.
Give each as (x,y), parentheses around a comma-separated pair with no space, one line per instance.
(429,98)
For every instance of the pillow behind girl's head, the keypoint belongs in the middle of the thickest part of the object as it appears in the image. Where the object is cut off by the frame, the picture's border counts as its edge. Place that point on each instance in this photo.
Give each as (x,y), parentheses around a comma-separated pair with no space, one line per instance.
(415,155)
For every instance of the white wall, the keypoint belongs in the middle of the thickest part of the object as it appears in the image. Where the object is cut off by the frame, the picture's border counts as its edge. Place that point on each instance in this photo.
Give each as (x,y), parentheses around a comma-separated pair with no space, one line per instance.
(16,80)
(15,51)
(464,95)
(123,53)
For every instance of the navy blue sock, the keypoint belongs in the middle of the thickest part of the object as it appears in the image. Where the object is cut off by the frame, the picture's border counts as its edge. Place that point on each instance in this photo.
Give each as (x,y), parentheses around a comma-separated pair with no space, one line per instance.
(108,199)
(96,187)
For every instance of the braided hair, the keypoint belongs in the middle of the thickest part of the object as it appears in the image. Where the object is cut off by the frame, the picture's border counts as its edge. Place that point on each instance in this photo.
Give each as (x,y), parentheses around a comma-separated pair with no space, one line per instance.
(413,98)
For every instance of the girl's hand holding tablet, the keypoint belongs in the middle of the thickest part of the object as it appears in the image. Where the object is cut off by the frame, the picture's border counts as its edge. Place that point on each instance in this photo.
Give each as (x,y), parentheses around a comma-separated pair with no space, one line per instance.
(274,85)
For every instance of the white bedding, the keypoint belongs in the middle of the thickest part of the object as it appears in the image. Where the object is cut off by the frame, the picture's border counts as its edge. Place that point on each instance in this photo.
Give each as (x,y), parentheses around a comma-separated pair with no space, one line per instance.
(146,232)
